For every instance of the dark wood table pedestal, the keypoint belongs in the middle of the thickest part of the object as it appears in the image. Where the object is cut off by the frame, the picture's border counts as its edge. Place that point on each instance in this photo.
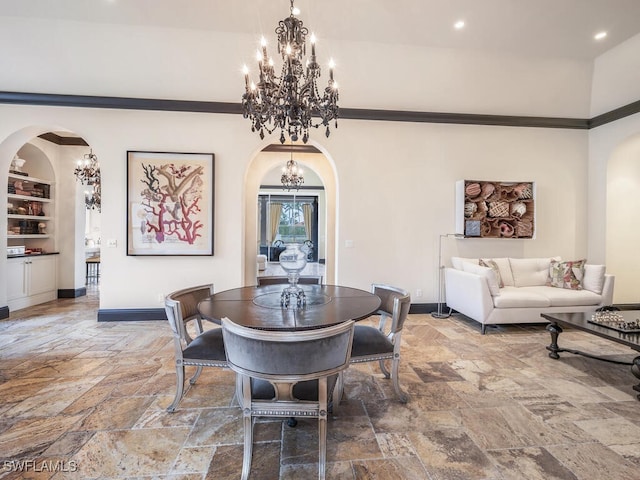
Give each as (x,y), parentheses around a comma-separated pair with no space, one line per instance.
(581,322)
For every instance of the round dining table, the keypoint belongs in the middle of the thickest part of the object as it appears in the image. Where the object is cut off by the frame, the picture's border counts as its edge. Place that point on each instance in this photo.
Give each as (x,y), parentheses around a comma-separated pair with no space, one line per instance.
(260,307)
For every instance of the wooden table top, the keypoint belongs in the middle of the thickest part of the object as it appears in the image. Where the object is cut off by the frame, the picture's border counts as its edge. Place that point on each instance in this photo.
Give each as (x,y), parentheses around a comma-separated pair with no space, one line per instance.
(259,307)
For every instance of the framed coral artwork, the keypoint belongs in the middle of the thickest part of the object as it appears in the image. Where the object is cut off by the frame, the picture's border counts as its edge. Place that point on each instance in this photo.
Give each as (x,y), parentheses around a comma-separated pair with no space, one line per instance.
(170,199)
(494,209)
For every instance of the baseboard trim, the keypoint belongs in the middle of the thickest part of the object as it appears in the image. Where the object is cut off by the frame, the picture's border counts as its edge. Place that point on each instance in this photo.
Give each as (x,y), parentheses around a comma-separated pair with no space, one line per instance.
(423,307)
(4,312)
(131,314)
(72,292)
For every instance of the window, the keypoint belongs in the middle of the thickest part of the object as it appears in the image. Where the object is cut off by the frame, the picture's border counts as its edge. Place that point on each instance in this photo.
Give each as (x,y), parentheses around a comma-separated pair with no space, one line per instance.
(297,221)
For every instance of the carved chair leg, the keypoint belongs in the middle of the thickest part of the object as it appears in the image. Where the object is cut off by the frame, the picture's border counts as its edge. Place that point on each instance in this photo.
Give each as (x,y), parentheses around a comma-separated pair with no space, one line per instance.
(247,419)
(322,446)
(323,395)
(193,379)
(395,366)
(248,446)
(338,392)
(383,369)
(179,388)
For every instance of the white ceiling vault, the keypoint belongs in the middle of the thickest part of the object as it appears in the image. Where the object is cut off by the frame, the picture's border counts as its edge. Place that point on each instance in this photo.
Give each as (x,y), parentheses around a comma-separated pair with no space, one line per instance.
(544,28)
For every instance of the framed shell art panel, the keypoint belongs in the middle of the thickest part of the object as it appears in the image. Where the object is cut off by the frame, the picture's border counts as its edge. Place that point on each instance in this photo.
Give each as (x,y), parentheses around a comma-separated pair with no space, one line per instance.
(170,199)
(494,209)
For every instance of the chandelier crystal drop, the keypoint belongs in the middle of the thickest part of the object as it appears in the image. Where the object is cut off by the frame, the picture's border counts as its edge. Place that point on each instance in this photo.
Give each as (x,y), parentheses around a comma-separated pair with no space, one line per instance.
(292,101)
(88,169)
(292,174)
(88,172)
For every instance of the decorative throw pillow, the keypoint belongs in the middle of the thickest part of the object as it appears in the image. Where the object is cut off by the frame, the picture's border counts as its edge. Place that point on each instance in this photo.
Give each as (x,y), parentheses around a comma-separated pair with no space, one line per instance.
(493,266)
(567,275)
(487,273)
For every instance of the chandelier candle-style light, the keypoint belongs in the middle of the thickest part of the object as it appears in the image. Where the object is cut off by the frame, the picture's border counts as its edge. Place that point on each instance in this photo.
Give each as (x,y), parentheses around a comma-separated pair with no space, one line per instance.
(292,101)
(88,172)
(292,174)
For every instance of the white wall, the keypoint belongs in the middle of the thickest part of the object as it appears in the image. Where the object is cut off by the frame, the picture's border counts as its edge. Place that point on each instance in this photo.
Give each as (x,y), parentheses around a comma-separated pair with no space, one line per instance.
(613,163)
(393,191)
(616,77)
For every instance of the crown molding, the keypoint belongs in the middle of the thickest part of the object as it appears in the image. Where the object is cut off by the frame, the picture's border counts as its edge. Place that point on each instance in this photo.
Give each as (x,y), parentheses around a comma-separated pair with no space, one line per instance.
(127,103)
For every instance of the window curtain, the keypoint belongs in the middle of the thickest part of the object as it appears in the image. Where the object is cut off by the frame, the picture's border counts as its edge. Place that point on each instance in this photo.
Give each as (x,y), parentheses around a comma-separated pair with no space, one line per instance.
(275,210)
(307,210)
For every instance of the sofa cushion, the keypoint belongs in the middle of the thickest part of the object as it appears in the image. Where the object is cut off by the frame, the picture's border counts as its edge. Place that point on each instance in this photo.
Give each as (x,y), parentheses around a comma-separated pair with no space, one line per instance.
(566,274)
(493,266)
(487,273)
(593,279)
(521,297)
(563,297)
(530,272)
(505,270)
(457,262)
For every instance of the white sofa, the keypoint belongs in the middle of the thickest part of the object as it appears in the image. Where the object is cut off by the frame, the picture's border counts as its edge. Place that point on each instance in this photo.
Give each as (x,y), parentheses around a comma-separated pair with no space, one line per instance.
(474,289)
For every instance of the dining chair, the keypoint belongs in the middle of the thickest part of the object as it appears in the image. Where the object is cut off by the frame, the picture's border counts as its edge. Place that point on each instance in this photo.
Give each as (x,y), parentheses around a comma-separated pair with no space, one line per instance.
(284,374)
(371,344)
(205,349)
(283,279)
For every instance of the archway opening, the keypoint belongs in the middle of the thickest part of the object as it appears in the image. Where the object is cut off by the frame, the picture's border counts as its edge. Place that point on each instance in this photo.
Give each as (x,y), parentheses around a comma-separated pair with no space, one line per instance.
(47,205)
(309,213)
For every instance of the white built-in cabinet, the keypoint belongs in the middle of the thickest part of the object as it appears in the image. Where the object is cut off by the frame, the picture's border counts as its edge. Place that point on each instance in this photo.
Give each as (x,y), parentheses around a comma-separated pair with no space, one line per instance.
(31,280)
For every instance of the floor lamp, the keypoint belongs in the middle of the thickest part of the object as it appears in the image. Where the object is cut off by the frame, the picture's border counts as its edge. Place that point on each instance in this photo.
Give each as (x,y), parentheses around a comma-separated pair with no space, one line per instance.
(439,313)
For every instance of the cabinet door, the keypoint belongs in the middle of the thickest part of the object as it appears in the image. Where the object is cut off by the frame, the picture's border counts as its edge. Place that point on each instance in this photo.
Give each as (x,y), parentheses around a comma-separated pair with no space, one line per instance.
(43,276)
(16,278)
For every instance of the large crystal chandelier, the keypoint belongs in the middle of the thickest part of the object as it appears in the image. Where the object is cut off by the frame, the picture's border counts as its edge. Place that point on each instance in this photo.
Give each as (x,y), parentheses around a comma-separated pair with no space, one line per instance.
(290,102)
(88,172)
(292,174)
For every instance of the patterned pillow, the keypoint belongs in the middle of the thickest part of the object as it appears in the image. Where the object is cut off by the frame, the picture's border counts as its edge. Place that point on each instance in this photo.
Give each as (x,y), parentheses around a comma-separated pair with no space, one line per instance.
(493,266)
(566,274)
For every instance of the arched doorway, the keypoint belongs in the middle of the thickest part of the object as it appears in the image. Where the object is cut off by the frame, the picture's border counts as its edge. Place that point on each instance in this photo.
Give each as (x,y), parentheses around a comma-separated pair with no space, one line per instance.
(50,154)
(270,159)
(623,229)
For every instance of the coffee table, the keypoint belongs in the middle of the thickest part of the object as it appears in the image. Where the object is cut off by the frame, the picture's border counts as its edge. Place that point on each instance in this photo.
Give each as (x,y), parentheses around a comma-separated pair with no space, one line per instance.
(580,321)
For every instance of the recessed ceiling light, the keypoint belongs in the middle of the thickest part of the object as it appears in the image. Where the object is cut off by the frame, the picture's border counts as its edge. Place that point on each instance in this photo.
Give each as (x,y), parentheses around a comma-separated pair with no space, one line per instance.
(459,24)
(600,35)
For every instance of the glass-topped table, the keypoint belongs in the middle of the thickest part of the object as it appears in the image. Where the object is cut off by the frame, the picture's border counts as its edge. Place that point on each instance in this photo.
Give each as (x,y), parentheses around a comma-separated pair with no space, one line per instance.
(259,307)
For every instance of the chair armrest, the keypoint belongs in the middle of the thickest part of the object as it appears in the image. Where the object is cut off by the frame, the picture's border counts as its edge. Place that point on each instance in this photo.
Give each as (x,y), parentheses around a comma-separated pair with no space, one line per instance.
(468,294)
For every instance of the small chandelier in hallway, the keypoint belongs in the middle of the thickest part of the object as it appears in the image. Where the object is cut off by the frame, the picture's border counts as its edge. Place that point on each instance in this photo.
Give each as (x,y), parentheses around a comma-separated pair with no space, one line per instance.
(292,174)
(290,102)
(88,172)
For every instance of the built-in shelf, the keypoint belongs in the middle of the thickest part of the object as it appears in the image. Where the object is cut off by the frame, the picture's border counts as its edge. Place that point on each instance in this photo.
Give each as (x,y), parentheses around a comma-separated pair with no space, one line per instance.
(30,203)
(26,178)
(34,235)
(28,217)
(27,198)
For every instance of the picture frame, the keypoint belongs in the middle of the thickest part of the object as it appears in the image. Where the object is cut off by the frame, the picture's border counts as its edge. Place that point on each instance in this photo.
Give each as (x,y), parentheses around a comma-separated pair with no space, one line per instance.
(170,203)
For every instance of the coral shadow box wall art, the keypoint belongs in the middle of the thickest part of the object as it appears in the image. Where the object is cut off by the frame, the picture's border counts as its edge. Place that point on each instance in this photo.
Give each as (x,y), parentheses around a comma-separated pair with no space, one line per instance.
(494,209)
(170,203)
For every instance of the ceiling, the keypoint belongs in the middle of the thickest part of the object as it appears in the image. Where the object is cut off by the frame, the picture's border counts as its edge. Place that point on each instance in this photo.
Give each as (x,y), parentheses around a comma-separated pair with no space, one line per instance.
(546,28)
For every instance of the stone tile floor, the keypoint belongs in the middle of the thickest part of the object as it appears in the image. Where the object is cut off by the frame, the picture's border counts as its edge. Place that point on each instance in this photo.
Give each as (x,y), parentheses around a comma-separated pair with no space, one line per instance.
(81,399)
